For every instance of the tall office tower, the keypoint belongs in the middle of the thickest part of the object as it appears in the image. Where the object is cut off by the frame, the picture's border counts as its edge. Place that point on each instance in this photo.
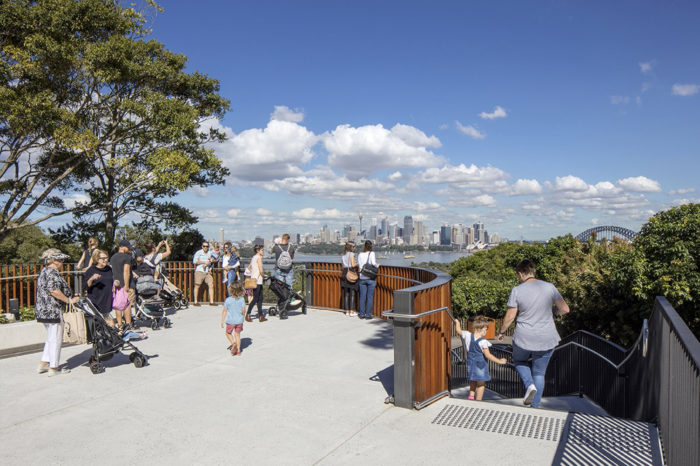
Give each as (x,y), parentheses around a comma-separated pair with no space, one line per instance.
(384,226)
(298,238)
(221,235)
(407,229)
(325,235)
(372,234)
(494,238)
(360,217)
(445,235)
(336,236)
(469,236)
(346,230)
(479,232)
(418,233)
(486,237)
(435,237)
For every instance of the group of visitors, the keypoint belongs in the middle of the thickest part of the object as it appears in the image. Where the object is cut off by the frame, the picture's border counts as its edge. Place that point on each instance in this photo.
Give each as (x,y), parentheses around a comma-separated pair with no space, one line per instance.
(358,276)
(109,283)
(534,338)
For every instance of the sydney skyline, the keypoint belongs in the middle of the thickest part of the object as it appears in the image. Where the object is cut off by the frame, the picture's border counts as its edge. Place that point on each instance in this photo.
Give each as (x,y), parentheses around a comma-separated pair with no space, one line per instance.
(536,118)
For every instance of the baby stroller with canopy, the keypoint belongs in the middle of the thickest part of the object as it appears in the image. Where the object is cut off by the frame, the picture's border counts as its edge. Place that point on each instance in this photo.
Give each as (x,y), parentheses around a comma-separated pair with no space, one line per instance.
(150,310)
(287,299)
(106,341)
(171,295)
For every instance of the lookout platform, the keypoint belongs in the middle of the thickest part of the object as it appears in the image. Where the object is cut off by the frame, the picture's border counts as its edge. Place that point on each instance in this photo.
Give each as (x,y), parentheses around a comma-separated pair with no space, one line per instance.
(307,390)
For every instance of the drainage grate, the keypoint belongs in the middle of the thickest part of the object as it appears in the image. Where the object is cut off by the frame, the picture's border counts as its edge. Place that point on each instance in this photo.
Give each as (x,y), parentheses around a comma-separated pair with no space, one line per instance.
(608,440)
(501,422)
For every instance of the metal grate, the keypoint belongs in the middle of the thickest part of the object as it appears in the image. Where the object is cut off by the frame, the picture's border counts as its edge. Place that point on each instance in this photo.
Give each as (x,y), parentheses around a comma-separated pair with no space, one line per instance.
(608,440)
(488,420)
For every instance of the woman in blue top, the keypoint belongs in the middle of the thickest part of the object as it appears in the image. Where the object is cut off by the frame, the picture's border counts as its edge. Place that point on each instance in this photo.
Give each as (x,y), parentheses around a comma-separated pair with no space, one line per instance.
(232,315)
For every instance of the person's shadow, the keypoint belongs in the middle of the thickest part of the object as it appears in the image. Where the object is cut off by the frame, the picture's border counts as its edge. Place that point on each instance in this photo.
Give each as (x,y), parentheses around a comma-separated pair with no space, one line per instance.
(246,342)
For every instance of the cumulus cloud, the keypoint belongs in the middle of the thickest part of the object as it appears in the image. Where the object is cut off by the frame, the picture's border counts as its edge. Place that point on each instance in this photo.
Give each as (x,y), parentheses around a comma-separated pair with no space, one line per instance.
(324,214)
(568,183)
(323,183)
(639,184)
(646,67)
(685,90)
(498,112)
(366,149)
(470,131)
(232,212)
(74,199)
(284,113)
(673,192)
(275,152)
(396,176)
(264,212)
(489,179)
(523,187)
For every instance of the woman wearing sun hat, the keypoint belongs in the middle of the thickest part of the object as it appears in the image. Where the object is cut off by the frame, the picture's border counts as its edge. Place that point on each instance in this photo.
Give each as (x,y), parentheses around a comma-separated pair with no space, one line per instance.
(52,295)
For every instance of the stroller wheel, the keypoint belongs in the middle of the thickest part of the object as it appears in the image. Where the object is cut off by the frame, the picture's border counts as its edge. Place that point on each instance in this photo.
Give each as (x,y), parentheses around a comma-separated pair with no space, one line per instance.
(177,304)
(139,361)
(283,315)
(97,368)
(167,323)
(303,309)
(184,302)
(154,325)
(272,311)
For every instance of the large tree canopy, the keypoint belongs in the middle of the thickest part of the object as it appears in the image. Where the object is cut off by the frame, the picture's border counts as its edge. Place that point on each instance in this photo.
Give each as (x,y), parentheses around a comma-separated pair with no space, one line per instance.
(91,109)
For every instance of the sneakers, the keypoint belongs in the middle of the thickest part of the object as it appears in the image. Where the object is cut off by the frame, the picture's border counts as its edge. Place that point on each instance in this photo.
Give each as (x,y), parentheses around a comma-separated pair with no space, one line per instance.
(470,397)
(529,395)
(62,370)
(41,369)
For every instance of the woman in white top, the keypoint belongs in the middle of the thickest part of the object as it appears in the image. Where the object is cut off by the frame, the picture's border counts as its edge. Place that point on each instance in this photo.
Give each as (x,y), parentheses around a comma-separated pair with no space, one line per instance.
(256,272)
(367,283)
(348,289)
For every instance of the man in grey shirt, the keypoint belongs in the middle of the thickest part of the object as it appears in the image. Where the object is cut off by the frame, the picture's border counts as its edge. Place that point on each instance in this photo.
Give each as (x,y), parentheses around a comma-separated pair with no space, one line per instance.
(535,333)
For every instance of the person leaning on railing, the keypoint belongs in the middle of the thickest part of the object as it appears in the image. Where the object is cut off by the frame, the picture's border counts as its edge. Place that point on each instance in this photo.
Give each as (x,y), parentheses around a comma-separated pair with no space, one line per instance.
(52,295)
(535,334)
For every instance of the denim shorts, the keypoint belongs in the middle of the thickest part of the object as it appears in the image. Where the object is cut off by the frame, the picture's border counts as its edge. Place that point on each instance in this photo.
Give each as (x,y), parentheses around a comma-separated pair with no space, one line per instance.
(478,371)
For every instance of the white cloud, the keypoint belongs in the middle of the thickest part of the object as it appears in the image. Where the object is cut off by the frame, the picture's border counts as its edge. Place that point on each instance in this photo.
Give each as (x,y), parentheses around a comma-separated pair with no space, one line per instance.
(366,149)
(71,200)
(498,112)
(284,113)
(569,183)
(673,192)
(646,67)
(263,212)
(323,183)
(594,221)
(232,212)
(523,187)
(619,99)
(685,89)
(470,131)
(396,176)
(488,179)
(199,191)
(325,214)
(277,151)
(639,184)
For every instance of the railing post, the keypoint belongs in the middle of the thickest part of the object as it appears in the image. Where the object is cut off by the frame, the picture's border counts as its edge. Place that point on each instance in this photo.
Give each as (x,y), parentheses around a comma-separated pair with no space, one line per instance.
(403,351)
(308,284)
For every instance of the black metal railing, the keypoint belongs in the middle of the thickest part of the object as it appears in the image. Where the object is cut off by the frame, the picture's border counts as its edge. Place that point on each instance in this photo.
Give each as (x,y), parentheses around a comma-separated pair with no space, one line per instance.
(657,380)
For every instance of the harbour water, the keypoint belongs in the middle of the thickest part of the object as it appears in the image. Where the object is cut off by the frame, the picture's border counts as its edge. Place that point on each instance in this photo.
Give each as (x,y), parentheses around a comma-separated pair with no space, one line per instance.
(387,258)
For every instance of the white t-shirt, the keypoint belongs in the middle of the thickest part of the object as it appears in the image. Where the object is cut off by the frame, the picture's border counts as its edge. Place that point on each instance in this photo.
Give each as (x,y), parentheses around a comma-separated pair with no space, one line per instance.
(467,337)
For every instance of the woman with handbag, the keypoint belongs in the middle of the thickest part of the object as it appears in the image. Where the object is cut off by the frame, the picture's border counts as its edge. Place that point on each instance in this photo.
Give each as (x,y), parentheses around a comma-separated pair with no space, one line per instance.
(367,262)
(256,273)
(52,295)
(348,280)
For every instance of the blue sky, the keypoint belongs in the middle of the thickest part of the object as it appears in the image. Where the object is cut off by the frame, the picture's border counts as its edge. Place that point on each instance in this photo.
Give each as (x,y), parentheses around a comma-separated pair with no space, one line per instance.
(537,118)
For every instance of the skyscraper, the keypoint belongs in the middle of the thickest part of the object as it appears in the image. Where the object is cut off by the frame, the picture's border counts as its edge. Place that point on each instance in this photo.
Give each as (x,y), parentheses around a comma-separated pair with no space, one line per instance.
(445,235)
(407,229)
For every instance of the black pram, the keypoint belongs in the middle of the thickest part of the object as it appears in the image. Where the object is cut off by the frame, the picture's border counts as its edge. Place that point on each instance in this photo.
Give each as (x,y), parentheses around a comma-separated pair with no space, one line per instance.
(287,299)
(106,341)
(150,310)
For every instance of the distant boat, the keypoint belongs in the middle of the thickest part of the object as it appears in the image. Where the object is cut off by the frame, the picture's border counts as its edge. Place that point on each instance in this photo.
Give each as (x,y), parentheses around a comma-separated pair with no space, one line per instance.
(381,257)
(408,257)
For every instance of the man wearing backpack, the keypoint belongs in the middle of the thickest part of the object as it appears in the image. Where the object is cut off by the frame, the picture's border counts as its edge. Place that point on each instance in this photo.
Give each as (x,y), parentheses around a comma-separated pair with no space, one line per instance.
(284,255)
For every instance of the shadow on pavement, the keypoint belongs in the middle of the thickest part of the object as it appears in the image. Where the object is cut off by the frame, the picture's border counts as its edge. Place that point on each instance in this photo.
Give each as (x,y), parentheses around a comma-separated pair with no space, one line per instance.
(383,337)
(386,377)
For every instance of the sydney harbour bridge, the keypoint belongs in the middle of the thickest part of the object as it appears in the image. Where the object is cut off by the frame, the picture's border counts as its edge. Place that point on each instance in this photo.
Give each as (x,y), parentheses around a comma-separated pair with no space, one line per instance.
(608,232)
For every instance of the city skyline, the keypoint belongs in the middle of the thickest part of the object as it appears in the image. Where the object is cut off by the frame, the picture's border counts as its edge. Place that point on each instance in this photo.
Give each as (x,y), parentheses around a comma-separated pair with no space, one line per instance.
(539,120)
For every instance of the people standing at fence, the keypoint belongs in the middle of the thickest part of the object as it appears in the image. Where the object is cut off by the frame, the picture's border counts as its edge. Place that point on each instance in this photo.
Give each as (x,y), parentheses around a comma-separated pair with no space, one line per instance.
(230,264)
(284,255)
(86,259)
(478,353)
(98,280)
(204,261)
(122,274)
(232,316)
(256,272)
(349,279)
(535,334)
(367,281)
(52,296)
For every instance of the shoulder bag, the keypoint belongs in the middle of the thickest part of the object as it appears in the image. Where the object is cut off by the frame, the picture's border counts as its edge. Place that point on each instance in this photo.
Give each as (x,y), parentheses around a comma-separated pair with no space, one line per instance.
(75,329)
(369,270)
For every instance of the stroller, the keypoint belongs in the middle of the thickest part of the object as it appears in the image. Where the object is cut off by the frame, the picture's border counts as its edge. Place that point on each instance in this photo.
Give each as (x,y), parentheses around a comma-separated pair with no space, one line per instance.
(106,341)
(172,295)
(287,299)
(151,311)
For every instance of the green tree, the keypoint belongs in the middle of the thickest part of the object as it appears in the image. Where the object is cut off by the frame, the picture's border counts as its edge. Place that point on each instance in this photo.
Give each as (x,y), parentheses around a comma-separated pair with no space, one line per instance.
(117,119)
(25,245)
(670,243)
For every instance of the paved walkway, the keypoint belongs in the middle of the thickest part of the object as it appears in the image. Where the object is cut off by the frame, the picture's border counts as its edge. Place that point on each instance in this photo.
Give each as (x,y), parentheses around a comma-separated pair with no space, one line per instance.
(308,390)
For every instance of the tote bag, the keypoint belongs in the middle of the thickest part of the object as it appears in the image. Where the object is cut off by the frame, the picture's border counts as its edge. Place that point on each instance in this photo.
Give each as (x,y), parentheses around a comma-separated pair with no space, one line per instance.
(75,330)
(120,298)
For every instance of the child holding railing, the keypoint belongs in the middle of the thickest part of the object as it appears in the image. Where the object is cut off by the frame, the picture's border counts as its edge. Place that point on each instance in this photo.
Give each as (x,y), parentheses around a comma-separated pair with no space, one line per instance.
(478,352)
